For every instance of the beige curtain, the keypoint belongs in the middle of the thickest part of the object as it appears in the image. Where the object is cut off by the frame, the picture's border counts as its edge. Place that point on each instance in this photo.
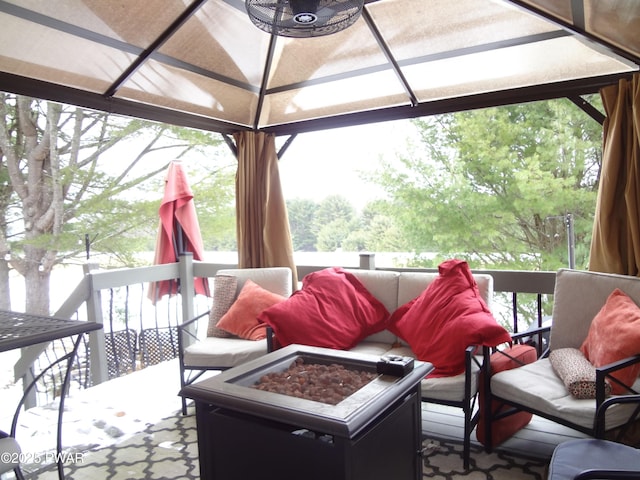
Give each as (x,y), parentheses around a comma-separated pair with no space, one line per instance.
(264,238)
(615,245)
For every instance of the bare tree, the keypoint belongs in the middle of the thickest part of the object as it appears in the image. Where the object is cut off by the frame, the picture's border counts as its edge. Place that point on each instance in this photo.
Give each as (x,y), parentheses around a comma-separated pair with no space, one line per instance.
(53,189)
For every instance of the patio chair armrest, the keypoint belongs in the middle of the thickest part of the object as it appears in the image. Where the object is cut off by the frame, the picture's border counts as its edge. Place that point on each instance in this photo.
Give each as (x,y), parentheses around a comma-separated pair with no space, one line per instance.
(531,332)
(604,372)
(617,399)
(609,402)
(608,474)
(183,325)
(617,365)
(183,331)
(270,339)
(472,354)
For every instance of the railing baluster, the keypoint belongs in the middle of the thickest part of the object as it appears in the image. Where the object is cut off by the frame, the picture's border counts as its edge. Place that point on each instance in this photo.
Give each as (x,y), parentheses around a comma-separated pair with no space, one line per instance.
(514,306)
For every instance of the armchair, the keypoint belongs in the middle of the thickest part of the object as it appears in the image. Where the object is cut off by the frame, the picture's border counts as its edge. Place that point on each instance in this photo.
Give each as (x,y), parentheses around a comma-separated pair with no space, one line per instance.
(588,459)
(578,297)
(198,355)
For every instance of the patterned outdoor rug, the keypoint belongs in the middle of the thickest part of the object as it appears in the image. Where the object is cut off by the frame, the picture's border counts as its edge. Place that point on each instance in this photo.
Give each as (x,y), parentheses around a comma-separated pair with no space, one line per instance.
(443,461)
(168,451)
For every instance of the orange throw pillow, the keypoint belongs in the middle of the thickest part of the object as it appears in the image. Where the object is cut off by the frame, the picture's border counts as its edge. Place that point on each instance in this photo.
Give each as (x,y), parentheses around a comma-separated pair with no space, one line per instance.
(614,335)
(242,317)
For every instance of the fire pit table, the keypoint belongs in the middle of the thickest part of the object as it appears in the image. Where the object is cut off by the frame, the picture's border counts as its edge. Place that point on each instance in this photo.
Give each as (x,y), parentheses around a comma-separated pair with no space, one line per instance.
(372,434)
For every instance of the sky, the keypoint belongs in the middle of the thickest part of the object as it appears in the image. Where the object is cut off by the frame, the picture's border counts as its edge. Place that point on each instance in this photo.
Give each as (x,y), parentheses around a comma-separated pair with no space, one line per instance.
(329,162)
(324,163)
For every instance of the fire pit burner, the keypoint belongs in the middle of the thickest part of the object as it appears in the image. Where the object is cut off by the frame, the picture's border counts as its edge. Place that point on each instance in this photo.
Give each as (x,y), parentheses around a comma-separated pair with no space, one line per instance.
(314,381)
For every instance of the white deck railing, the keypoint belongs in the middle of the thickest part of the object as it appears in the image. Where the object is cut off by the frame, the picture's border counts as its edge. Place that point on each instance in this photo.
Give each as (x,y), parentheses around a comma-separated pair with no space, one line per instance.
(102,295)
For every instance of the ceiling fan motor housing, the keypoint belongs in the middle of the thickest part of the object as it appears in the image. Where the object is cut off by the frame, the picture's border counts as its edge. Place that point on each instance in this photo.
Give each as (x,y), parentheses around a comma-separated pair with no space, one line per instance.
(303,18)
(304,11)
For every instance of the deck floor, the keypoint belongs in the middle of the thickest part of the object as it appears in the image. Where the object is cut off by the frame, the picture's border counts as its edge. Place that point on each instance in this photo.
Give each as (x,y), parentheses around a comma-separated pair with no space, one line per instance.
(537,440)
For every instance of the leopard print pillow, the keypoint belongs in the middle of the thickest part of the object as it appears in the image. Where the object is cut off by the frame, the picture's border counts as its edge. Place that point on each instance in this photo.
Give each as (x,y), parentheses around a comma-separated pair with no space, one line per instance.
(576,372)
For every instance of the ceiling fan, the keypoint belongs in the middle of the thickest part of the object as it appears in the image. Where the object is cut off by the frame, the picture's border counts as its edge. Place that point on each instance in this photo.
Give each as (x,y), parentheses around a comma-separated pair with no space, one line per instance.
(303,18)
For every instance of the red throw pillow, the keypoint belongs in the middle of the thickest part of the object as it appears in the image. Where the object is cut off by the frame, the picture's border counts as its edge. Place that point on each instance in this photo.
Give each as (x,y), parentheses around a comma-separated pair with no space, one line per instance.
(446,318)
(333,309)
(614,334)
(504,428)
(242,317)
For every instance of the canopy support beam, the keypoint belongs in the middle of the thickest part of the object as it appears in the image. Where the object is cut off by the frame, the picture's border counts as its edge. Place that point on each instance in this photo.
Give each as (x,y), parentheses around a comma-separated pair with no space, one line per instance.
(390,58)
(588,108)
(166,35)
(234,149)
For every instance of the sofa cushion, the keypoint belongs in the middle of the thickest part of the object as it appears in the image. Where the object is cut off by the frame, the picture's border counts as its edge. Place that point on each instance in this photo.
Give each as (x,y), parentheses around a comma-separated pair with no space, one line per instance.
(242,317)
(224,294)
(446,318)
(333,309)
(376,349)
(275,279)
(443,388)
(382,284)
(614,334)
(576,372)
(412,284)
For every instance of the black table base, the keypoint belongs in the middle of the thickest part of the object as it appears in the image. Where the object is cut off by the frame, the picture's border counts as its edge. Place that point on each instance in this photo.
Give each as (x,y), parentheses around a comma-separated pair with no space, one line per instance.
(375,433)
(238,446)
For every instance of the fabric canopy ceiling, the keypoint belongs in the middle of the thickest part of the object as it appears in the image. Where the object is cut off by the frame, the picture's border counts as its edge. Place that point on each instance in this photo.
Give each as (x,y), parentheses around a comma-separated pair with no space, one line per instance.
(204,64)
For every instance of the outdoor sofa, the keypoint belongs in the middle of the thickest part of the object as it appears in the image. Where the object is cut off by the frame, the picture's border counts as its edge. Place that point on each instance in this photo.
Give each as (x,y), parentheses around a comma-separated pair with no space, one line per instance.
(397,294)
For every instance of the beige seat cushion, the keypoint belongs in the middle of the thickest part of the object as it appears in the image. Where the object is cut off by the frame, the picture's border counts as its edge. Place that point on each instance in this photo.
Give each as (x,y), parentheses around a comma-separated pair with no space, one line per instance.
(446,388)
(223,352)
(377,349)
(440,388)
(450,388)
(275,279)
(538,386)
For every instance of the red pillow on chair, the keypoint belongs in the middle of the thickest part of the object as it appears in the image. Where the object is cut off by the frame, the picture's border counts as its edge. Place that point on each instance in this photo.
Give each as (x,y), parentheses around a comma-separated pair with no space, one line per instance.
(447,317)
(501,430)
(614,334)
